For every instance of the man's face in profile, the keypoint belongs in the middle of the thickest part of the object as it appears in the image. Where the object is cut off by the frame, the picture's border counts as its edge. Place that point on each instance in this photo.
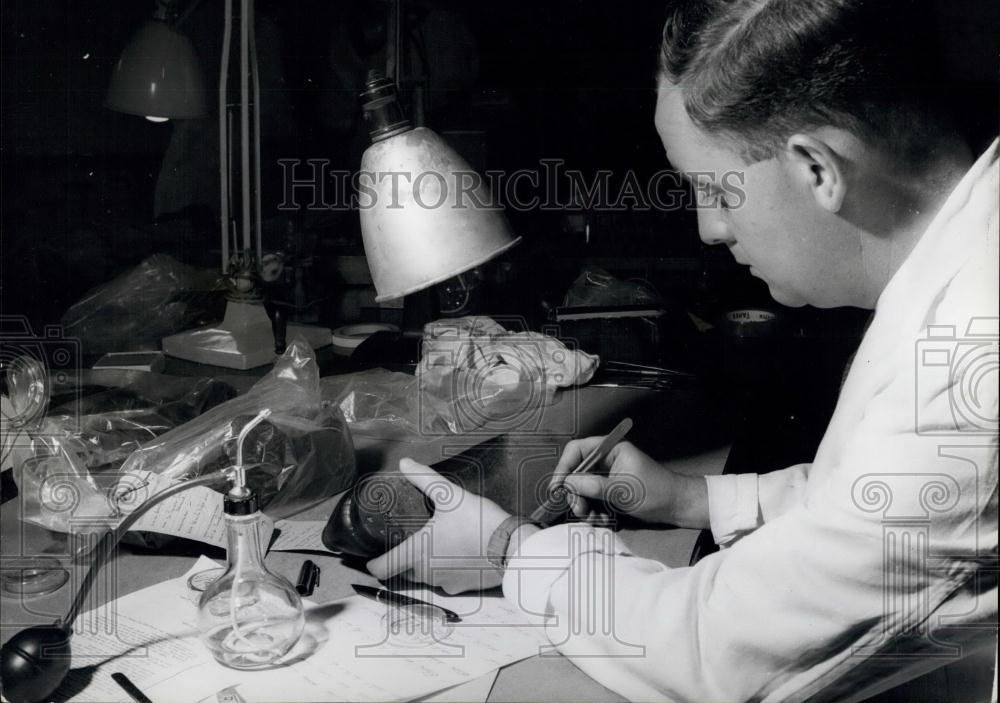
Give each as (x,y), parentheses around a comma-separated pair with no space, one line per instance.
(777,230)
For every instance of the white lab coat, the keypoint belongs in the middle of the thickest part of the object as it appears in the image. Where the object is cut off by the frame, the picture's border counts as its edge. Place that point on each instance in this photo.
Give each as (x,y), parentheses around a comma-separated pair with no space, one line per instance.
(871,565)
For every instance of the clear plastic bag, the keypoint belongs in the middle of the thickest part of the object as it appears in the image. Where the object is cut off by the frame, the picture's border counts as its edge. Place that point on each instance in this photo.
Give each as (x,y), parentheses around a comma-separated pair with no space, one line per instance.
(70,458)
(473,375)
(596,287)
(392,405)
(134,311)
(376,402)
(304,446)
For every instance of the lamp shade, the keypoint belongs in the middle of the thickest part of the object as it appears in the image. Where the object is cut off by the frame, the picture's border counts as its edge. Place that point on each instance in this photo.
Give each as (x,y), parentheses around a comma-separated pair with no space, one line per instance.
(421,219)
(158,76)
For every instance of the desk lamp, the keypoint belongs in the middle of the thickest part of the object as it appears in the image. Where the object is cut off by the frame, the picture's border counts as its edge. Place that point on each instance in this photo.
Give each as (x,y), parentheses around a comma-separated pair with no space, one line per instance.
(423,222)
(156,76)
(249,618)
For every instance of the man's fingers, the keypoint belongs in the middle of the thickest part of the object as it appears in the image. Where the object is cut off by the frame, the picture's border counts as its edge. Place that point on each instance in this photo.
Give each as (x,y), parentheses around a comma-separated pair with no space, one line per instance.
(586,485)
(578,505)
(404,556)
(621,450)
(581,487)
(572,455)
(429,482)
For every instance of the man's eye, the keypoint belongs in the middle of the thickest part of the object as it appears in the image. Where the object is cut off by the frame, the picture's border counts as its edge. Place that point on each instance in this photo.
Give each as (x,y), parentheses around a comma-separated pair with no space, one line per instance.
(715,199)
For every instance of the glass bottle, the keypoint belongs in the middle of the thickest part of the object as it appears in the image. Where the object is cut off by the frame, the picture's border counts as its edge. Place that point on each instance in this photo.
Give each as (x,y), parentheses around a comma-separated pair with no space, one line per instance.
(249,618)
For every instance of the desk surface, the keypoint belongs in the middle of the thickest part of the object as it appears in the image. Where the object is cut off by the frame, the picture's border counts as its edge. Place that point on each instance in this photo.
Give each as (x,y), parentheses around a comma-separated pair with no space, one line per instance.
(532,679)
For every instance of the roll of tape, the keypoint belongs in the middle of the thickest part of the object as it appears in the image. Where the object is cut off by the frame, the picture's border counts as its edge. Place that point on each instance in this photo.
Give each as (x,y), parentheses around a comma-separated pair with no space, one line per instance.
(347,338)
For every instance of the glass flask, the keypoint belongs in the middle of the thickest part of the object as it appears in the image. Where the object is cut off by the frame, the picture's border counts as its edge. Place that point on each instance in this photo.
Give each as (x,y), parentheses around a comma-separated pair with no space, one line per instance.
(249,618)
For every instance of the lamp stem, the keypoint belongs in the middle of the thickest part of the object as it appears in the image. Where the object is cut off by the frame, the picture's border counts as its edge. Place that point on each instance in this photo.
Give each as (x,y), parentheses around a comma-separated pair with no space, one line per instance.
(392,19)
(111,539)
(245,119)
(224,135)
(398,41)
(255,76)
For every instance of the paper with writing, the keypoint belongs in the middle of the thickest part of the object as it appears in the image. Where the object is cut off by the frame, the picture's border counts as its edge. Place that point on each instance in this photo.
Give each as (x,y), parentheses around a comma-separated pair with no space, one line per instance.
(299,536)
(349,651)
(194,514)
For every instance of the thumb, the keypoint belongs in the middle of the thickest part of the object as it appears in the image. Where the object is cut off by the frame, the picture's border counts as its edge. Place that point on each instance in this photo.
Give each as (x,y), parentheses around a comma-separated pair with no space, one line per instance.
(436,487)
(403,557)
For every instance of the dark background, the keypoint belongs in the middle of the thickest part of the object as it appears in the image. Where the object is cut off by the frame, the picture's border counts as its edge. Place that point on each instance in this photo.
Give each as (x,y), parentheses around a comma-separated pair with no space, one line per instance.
(564,79)
(88,193)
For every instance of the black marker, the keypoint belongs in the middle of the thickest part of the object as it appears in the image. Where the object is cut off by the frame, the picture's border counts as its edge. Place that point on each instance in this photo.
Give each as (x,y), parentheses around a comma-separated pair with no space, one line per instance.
(308,578)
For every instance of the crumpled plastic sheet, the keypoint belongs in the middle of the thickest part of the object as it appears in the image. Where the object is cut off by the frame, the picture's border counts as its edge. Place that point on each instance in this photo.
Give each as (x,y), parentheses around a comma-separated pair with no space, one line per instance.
(596,287)
(304,445)
(134,311)
(472,374)
(304,449)
(72,455)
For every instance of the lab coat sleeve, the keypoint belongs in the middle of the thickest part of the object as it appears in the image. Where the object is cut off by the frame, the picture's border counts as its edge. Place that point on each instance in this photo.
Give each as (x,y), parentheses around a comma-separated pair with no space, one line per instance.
(885,543)
(790,606)
(740,503)
(890,540)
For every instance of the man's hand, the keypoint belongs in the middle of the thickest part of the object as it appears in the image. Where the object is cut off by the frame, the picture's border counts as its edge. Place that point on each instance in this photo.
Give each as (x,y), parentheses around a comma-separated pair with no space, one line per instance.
(450,550)
(634,485)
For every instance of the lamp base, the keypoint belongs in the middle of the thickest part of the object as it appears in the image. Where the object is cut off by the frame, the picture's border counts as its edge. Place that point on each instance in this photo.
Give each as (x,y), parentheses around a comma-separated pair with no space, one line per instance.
(243,340)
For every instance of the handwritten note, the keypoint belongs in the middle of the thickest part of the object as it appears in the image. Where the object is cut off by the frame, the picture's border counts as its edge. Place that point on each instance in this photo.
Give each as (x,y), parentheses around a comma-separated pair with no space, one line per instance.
(299,536)
(195,514)
(351,650)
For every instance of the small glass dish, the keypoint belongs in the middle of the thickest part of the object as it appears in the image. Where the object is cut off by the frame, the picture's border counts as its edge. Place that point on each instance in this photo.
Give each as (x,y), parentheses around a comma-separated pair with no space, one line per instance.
(417,625)
(37,576)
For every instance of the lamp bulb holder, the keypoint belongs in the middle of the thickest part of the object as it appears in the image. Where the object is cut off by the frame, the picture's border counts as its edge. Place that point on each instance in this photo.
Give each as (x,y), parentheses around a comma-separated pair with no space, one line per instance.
(382,110)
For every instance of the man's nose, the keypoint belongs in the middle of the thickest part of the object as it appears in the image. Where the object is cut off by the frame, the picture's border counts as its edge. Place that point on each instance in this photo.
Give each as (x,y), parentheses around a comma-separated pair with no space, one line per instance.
(712,228)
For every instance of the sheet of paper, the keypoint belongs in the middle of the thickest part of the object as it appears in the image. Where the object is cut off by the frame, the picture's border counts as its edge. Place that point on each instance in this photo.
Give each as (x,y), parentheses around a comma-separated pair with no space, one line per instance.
(475,691)
(299,536)
(193,514)
(149,635)
(350,651)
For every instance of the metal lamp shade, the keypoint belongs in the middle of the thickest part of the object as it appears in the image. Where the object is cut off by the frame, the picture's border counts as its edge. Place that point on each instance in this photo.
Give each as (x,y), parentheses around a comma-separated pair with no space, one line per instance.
(158,75)
(421,220)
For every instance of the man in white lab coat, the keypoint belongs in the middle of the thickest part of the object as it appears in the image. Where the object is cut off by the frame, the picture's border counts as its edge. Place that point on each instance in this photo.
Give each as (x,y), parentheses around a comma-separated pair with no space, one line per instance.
(878,560)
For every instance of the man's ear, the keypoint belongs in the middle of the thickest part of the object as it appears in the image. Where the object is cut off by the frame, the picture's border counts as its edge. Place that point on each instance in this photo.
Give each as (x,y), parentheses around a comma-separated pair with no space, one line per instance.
(820,167)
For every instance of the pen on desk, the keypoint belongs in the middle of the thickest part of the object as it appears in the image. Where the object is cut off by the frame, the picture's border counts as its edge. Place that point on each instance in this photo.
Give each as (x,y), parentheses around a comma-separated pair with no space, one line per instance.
(130,688)
(398,600)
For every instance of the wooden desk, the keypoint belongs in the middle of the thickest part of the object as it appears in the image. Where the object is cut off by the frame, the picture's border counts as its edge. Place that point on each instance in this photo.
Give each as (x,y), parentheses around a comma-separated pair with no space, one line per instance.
(666,424)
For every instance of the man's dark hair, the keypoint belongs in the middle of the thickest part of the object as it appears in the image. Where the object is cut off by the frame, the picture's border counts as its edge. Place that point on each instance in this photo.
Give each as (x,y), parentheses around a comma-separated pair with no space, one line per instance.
(756,71)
